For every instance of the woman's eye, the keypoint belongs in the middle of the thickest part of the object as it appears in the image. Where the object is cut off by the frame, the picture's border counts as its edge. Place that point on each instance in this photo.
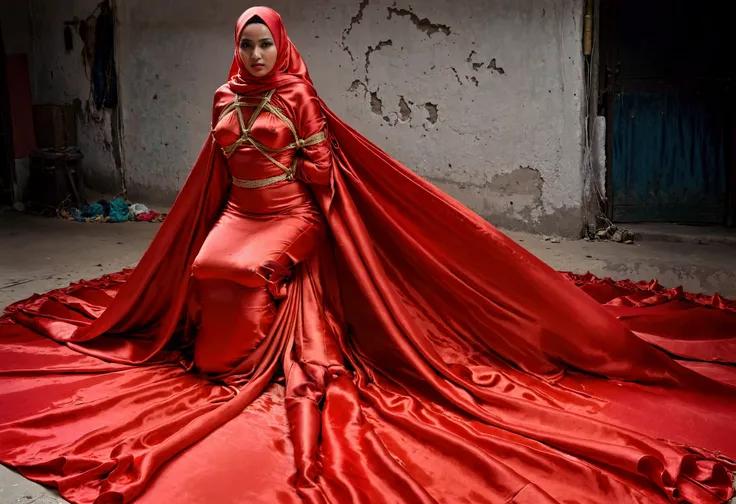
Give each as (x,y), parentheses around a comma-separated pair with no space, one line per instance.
(266,44)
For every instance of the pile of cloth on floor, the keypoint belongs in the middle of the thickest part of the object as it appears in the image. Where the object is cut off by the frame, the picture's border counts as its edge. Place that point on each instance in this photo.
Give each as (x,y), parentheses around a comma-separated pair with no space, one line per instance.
(115,210)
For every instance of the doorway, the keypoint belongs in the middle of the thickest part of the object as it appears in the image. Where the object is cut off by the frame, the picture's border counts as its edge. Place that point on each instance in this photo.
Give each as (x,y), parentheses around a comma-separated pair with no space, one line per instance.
(667,91)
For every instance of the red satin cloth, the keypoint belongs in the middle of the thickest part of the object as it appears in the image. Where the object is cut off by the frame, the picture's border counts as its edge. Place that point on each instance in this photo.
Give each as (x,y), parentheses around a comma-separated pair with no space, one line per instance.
(70,420)
(242,270)
(380,343)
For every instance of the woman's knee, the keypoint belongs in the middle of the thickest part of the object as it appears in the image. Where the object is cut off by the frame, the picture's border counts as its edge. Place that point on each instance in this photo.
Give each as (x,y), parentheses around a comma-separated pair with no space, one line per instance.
(252,275)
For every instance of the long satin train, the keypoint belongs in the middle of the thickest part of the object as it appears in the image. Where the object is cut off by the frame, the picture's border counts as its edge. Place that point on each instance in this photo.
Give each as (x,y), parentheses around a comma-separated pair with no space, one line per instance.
(102,431)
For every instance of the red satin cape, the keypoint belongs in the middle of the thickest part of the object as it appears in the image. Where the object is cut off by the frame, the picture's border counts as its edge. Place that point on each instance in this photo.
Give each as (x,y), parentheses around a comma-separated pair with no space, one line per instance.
(472,362)
(472,371)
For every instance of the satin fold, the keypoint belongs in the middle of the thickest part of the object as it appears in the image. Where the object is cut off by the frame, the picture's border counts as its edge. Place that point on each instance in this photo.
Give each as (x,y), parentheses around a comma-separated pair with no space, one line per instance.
(357,336)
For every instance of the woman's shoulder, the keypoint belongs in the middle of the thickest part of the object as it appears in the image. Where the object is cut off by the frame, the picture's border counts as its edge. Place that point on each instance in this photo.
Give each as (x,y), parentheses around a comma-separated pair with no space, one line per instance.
(223,95)
(299,98)
(298,88)
(301,85)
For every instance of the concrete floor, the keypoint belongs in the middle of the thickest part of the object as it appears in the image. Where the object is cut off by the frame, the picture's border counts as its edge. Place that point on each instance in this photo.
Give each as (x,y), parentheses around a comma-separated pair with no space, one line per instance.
(38,254)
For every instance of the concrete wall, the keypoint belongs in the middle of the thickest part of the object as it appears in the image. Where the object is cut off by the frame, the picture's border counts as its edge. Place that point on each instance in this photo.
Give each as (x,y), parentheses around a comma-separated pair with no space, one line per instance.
(484,98)
(61,77)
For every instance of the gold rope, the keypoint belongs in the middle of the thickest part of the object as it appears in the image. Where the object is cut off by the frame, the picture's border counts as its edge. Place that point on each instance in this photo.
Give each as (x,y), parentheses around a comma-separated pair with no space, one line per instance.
(258,183)
(298,144)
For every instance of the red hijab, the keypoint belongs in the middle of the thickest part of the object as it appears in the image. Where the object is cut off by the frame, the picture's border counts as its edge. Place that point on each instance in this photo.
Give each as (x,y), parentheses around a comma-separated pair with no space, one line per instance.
(289,66)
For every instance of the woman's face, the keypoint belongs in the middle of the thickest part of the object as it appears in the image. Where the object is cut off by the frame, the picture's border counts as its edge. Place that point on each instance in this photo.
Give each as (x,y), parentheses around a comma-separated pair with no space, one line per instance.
(257,49)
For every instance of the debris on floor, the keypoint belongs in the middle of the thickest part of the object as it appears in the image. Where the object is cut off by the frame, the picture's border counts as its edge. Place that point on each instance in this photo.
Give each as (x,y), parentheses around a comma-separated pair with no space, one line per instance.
(552,239)
(608,231)
(115,210)
(142,213)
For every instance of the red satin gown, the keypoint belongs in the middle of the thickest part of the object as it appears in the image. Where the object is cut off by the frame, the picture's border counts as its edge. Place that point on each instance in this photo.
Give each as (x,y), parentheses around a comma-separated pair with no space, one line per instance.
(270,224)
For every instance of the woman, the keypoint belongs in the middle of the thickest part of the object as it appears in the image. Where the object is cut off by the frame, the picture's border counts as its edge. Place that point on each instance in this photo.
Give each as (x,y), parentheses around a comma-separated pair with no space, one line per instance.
(316,323)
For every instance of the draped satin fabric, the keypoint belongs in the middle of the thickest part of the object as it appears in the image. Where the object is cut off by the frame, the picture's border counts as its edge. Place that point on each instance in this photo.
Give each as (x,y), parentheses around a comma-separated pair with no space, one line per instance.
(356,335)
(288,68)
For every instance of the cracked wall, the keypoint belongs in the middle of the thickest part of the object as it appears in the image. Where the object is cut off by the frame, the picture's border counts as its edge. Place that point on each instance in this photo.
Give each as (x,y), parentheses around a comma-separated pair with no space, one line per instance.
(59,77)
(482,97)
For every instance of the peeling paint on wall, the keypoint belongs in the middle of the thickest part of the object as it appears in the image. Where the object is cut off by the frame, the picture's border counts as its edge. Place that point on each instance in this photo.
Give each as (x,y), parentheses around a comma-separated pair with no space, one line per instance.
(499,111)
(462,92)
(525,180)
(376,104)
(424,24)
(456,75)
(378,47)
(478,65)
(492,66)
(356,19)
(432,111)
(404,110)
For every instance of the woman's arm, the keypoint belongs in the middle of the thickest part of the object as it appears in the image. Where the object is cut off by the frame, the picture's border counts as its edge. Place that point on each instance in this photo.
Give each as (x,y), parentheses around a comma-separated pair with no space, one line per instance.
(314,162)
